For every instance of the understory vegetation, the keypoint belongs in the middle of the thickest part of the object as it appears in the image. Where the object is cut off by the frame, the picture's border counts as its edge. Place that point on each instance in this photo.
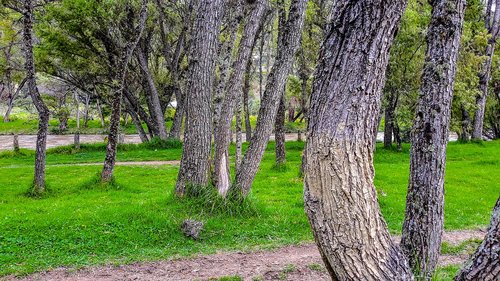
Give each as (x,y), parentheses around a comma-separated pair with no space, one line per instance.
(79,222)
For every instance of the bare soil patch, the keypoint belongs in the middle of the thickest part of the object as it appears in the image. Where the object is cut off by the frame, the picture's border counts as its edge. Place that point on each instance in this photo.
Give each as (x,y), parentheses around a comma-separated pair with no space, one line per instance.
(297,262)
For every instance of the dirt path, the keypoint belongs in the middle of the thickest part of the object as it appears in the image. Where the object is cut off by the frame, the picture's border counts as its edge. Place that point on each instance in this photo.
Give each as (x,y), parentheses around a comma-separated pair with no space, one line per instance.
(301,263)
(29,141)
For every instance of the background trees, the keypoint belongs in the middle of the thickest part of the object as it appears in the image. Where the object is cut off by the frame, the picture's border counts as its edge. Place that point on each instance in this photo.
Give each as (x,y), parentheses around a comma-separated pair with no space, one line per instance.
(423,225)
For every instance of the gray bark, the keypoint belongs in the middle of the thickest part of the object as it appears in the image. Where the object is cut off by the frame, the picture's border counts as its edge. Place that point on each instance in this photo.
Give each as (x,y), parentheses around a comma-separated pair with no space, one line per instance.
(194,166)
(137,122)
(113,136)
(423,225)
(101,115)
(246,91)
(279,134)
(339,194)
(156,111)
(484,265)
(43,111)
(234,15)
(234,91)
(287,48)
(238,131)
(493,26)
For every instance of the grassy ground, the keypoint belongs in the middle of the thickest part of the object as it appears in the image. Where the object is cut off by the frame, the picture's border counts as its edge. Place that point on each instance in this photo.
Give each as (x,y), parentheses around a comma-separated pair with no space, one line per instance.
(23,123)
(138,219)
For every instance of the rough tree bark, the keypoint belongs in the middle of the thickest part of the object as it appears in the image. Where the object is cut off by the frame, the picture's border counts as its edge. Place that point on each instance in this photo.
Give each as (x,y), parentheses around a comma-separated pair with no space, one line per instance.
(246,91)
(340,197)
(113,136)
(194,167)
(43,111)
(234,14)
(492,24)
(389,116)
(234,90)
(276,80)
(484,265)
(423,225)
(279,134)
(156,110)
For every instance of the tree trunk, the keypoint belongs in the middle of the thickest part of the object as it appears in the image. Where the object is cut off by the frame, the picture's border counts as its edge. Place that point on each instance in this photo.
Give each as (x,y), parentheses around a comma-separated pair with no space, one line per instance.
(136,107)
(43,111)
(156,111)
(195,166)
(101,115)
(423,225)
(484,265)
(137,122)
(246,91)
(464,135)
(279,133)
(339,194)
(86,114)
(239,141)
(233,15)
(113,136)
(221,175)
(175,131)
(389,111)
(485,75)
(276,80)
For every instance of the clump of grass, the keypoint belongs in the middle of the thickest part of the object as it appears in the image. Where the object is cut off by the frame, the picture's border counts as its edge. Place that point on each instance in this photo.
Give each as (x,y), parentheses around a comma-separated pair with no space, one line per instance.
(36,192)
(157,143)
(280,167)
(467,247)
(96,183)
(315,267)
(9,154)
(207,200)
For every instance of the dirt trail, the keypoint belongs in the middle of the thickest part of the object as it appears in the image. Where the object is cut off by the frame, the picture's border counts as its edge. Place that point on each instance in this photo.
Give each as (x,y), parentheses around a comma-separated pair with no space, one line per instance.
(300,262)
(29,141)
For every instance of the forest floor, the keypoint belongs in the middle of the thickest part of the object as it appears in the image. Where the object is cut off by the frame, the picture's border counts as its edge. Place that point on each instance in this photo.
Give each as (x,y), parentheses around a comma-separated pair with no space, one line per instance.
(82,229)
(297,262)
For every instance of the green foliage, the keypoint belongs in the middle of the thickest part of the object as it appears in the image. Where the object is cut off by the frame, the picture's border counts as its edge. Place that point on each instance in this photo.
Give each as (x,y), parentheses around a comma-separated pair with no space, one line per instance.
(464,248)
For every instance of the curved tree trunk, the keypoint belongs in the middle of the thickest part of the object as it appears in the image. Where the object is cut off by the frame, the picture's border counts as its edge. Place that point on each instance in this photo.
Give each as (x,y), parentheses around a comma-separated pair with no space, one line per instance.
(197,137)
(484,265)
(287,48)
(485,75)
(234,91)
(340,198)
(423,225)
(43,111)
(113,136)
(156,111)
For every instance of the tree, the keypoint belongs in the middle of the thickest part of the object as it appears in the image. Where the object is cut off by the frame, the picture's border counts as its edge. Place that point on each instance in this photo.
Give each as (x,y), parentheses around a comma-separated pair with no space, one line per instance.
(339,194)
(423,225)
(485,263)
(26,8)
(127,49)
(492,23)
(234,90)
(194,167)
(288,45)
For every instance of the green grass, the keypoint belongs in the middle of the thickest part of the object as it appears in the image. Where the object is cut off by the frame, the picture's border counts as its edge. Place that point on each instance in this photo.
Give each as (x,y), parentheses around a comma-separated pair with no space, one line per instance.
(23,123)
(138,219)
